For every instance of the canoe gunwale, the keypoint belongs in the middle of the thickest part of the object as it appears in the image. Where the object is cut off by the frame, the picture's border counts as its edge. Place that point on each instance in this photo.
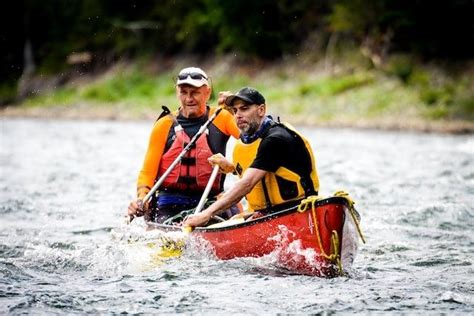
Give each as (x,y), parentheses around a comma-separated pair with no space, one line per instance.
(282,210)
(285,209)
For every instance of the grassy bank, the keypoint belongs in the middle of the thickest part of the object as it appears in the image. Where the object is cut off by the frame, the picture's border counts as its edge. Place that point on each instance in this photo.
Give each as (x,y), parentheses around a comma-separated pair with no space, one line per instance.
(401,95)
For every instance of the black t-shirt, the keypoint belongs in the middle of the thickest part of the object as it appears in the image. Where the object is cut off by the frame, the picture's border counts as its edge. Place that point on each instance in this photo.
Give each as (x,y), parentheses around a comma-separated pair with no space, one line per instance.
(282,148)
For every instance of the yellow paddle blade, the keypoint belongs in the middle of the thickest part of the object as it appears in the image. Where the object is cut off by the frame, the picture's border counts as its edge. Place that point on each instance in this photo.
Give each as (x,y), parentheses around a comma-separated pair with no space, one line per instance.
(164,249)
(168,253)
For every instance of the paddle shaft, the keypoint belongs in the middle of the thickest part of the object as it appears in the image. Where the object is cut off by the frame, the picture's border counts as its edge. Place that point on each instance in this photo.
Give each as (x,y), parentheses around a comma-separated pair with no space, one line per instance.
(180,156)
(207,189)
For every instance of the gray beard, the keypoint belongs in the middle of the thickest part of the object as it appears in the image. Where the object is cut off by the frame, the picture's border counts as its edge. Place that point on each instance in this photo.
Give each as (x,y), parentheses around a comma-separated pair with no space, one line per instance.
(251,129)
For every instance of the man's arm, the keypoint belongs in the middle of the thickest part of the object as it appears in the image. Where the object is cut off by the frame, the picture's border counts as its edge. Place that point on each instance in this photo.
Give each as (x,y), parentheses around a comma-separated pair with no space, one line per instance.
(147,175)
(240,188)
(155,150)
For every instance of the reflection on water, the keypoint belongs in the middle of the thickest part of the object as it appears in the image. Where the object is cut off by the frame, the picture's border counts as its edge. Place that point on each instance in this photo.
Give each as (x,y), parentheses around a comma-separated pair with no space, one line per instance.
(65,185)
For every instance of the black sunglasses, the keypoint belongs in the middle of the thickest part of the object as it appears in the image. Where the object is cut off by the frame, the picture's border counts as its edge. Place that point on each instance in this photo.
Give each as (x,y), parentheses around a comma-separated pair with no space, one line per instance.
(193,75)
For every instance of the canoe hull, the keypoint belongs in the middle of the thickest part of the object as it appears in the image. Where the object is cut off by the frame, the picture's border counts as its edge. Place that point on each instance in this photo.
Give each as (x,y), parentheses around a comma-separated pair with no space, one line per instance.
(306,241)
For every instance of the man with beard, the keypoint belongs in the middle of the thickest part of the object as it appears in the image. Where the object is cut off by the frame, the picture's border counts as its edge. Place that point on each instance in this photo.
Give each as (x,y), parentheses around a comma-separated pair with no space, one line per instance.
(274,162)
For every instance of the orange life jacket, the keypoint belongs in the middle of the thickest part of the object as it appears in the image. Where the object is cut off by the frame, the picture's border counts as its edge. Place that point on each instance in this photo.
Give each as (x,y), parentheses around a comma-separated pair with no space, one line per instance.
(194,170)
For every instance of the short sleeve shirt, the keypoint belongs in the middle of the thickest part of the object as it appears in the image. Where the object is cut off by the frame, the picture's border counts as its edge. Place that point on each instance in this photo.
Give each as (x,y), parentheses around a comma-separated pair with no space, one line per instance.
(280,148)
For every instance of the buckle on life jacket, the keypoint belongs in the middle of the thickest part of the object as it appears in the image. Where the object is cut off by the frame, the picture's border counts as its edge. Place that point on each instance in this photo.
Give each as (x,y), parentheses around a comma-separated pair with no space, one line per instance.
(188,161)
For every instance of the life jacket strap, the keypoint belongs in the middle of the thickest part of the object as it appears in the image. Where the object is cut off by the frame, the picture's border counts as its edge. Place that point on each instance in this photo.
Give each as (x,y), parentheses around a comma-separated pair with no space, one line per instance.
(188,161)
(187,180)
(268,203)
(165,112)
(308,186)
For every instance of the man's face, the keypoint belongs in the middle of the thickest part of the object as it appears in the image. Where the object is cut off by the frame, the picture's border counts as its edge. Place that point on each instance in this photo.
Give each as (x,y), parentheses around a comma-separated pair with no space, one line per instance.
(248,116)
(193,100)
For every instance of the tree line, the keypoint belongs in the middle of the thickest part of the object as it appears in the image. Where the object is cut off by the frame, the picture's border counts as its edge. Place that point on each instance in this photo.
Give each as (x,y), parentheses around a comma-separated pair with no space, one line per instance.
(42,34)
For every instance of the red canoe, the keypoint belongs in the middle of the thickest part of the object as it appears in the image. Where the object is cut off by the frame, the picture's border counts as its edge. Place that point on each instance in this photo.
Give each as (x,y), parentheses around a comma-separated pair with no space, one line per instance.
(316,236)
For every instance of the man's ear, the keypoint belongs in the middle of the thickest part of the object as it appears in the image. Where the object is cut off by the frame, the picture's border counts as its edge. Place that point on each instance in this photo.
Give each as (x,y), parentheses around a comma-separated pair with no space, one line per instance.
(208,92)
(262,108)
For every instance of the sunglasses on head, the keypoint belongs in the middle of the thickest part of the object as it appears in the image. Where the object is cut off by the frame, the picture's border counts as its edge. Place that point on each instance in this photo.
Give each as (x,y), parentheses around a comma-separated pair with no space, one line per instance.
(193,75)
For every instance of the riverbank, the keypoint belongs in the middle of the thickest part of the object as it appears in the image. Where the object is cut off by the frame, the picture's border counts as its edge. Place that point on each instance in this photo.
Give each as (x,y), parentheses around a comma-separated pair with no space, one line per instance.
(301,91)
(94,112)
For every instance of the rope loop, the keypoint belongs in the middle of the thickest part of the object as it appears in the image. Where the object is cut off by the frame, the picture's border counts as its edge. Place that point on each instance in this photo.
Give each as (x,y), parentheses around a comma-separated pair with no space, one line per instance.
(354,214)
(308,202)
(333,256)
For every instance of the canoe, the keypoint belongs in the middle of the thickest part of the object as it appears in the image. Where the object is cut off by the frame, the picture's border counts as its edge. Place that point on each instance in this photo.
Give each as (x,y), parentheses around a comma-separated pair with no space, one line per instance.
(315,236)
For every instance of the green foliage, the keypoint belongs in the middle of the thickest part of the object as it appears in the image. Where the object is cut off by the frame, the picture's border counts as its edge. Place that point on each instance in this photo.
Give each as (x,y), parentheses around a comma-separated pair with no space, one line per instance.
(334,85)
(228,83)
(437,113)
(60,97)
(7,91)
(359,17)
(401,66)
(345,19)
(446,97)
(444,94)
(114,29)
(131,87)
(296,93)
(264,28)
(465,110)
(429,96)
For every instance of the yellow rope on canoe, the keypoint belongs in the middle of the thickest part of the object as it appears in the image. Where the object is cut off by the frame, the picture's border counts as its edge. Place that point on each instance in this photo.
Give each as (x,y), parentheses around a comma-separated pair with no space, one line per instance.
(310,202)
(352,211)
(335,249)
(334,256)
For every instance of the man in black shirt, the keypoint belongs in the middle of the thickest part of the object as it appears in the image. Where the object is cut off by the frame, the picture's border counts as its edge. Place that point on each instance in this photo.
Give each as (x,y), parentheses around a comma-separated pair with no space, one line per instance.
(274,162)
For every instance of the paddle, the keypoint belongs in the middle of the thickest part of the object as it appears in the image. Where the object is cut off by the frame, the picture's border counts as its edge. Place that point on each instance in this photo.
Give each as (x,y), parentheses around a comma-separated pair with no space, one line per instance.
(203,199)
(176,246)
(158,183)
(207,189)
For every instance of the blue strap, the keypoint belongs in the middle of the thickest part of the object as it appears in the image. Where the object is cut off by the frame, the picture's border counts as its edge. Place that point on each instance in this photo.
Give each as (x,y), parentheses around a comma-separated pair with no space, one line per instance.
(166,200)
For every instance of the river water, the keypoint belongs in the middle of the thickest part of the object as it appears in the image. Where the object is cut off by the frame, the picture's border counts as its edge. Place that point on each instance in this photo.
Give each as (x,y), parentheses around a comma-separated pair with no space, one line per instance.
(65,185)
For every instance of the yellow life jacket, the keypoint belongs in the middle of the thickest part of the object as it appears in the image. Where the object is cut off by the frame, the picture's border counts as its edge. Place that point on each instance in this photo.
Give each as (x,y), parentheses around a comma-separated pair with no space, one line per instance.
(275,188)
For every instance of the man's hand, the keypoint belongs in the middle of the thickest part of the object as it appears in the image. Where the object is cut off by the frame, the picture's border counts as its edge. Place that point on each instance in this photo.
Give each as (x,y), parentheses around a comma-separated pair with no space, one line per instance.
(222,96)
(199,219)
(225,166)
(137,208)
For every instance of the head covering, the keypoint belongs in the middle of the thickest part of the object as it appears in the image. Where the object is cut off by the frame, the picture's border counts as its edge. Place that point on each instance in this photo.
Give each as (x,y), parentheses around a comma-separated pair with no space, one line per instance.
(193,76)
(264,126)
(247,94)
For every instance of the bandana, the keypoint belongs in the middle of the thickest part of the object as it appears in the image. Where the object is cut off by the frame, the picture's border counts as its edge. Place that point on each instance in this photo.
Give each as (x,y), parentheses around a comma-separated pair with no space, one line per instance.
(247,139)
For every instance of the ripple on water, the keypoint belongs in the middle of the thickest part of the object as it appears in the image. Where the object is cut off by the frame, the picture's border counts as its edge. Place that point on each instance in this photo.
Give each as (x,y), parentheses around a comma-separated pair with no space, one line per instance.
(418,222)
(391,248)
(430,262)
(11,251)
(12,272)
(446,216)
(456,298)
(54,301)
(16,206)
(44,258)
